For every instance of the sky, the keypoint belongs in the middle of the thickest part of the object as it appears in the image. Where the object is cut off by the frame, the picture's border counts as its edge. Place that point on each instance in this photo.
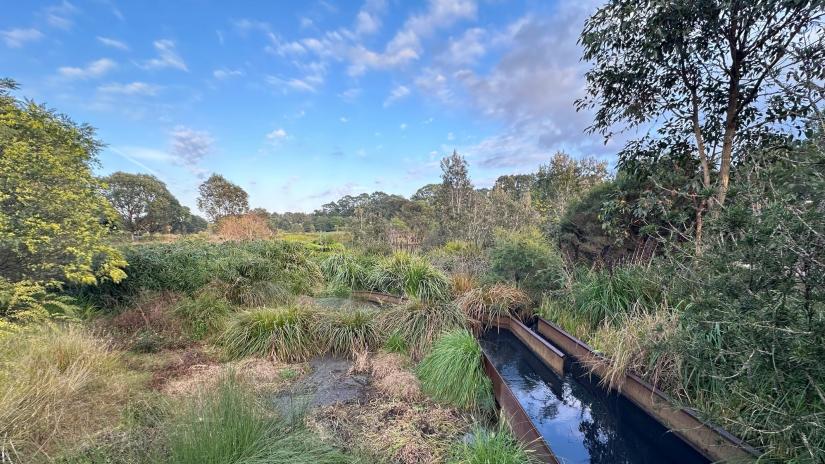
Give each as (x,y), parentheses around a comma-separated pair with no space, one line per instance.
(301,103)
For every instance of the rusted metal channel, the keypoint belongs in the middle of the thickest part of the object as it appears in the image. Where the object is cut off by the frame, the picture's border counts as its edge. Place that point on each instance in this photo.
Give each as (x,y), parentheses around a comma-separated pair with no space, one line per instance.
(708,439)
(549,354)
(517,418)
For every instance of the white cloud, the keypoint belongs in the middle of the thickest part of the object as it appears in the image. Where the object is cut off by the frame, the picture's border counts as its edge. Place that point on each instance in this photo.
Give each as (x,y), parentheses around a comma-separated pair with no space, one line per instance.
(132,88)
(298,85)
(277,134)
(350,94)
(114,43)
(366,23)
(225,73)
(60,16)
(18,37)
(450,136)
(190,145)
(343,119)
(168,56)
(403,126)
(94,69)
(396,94)
(465,50)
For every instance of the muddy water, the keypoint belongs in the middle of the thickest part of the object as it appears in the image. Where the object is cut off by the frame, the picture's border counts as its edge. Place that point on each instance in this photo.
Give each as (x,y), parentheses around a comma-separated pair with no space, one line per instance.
(580,420)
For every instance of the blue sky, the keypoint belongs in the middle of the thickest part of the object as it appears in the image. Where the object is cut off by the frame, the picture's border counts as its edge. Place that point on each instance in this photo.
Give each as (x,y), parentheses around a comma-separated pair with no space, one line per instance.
(303,102)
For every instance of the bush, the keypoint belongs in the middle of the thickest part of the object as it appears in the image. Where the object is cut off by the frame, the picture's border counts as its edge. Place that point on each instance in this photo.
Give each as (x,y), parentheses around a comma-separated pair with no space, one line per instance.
(243,227)
(228,425)
(347,270)
(411,276)
(348,332)
(486,304)
(491,446)
(452,373)
(284,333)
(27,302)
(204,314)
(58,386)
(528,261)
(419,323)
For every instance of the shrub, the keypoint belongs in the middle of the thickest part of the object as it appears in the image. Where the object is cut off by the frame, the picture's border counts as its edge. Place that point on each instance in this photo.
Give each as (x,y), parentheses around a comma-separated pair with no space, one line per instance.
(243,227)
(250,280)
(419,323)
(58,386)
(27,302)
(452,373)
(491,446)
(348,332)
(486,304)
(204,314)
(229,426)
(412,276)
(528,261)
(284,333)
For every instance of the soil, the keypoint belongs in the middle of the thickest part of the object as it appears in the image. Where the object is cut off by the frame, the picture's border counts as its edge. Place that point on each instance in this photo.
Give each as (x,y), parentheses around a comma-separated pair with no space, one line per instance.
(330,381)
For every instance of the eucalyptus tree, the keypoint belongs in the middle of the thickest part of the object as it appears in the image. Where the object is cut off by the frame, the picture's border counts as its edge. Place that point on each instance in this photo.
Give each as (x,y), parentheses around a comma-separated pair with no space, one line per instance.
(219,198)
(717,74)
(143,202)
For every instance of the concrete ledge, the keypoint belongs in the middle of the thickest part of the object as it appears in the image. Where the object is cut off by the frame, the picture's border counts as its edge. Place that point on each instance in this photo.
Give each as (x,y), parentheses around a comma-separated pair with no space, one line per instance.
(708,439)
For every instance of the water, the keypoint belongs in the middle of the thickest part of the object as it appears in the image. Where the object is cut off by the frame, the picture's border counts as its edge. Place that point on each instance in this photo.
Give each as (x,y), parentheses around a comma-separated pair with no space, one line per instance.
(581,421)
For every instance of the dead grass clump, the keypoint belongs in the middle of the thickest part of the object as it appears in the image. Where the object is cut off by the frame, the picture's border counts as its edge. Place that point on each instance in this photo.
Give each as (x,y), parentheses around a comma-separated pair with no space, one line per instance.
(243,227)
(640,346)
(58,386)
(400,431)
(484,305)
(402,385)
(362,364)
(384,364)
(149,324)
(462,283)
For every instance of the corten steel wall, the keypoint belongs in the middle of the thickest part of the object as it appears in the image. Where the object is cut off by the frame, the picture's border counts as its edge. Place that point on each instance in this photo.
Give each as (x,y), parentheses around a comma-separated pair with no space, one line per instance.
(713,442)
(380,298)
(549,354)
(517,418)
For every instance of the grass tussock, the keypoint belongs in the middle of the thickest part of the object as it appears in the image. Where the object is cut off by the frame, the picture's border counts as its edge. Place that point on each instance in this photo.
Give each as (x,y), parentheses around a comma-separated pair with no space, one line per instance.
(347,270)
(349,332)
(58,386)
(453,374)
(228,425)
(607,295)
(462,283)
(283,333)
(419,323)
(491,446)
(486,304)
(412,276)
(204,314)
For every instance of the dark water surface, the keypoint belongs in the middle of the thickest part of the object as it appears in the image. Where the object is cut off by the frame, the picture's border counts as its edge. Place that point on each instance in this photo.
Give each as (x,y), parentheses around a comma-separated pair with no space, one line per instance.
(580,420)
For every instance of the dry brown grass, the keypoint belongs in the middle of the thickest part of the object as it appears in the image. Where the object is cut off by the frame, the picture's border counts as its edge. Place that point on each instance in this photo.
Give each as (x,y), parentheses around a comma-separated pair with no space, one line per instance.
(401,385)
(243,227)
(259,374)
(58,386)
(485,304)
(384,364)
(462,283)
(150,313)
(402,431)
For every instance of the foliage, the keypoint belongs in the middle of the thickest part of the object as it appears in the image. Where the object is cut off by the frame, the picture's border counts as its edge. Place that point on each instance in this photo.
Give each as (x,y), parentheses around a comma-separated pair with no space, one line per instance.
(419,323)
(219,198)
(396,343)
(348,332)
(452,373)
(204,314)
(486,304)
(25,302)
(58,386)
(491,446)
(528,261)
(347,270)
(411,276)
(51,211)
(284,333)
(227,425)
(243,227)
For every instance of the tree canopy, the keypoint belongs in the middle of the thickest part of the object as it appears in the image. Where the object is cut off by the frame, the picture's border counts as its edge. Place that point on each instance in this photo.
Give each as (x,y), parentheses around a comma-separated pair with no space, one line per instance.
(219,198)
(52,213)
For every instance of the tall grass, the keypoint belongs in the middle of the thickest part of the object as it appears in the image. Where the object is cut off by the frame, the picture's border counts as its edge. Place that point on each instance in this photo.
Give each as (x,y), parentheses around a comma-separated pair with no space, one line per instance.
(411,276)
(349,332)
(284,333)
(347,270)
(486,304)
(204,314)
(607,295)
(228,426)
(419,323)
(58,386)
(452,373)
(491,446)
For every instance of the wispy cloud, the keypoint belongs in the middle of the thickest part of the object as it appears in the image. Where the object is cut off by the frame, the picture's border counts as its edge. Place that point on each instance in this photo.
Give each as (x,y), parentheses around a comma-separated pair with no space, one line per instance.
(18,37)
(92,70)
(132,88)
(168,56)
(113,43)
(60,15)
(286,84)
(396,94)
(276,135)
(191,145)
(226,73)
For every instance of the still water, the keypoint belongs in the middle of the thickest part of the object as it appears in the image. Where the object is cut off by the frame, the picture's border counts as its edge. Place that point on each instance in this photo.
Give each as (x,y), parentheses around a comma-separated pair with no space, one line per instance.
(581,421)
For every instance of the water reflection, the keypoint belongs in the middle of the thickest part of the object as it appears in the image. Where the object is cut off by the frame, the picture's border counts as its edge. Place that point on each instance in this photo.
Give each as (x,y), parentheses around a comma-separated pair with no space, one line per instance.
(580,421)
